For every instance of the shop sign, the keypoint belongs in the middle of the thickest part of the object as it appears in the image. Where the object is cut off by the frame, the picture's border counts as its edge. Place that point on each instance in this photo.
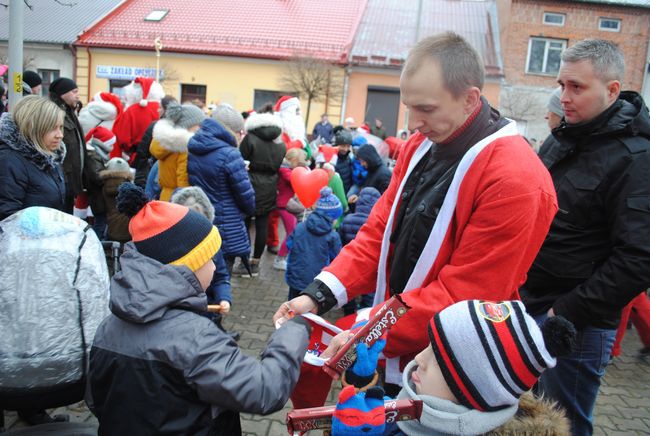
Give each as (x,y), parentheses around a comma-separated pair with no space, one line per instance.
(119,72)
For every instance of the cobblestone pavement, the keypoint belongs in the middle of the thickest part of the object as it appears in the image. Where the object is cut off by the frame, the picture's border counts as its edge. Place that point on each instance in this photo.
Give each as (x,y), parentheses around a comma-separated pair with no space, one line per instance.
(623,406)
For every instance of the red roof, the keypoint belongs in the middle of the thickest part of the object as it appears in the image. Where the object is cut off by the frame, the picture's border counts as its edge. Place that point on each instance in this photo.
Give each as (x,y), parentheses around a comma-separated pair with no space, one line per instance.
(276,29)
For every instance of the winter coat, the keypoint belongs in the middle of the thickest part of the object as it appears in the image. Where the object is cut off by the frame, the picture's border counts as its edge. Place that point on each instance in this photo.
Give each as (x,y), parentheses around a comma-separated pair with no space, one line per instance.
(92,180)
(169,146)
(158,367)
(532,416)
(28,177)
(75,157)
(504,206)
(378,173)
(325,131)
(312,246)
(596,257)
(143,160)
(265,152)
(129,127)
(344,168)
(285,190)
(215,165)
(219,289)
(118,223)
(353,222)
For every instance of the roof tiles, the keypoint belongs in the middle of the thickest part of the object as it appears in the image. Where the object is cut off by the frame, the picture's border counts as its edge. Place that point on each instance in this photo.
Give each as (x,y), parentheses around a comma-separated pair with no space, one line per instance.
(277,29)
(388,30)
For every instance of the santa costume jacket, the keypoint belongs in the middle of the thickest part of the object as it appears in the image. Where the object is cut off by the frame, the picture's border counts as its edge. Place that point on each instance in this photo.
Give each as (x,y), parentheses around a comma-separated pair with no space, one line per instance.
(495,216)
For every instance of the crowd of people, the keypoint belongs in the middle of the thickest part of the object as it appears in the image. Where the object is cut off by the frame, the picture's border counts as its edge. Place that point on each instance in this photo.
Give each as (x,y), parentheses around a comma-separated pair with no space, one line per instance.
(516,266)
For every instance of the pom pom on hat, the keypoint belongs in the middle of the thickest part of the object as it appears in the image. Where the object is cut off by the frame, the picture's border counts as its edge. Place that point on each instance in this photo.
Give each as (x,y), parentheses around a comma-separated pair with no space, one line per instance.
(167,232)
(559,336)
(329,203)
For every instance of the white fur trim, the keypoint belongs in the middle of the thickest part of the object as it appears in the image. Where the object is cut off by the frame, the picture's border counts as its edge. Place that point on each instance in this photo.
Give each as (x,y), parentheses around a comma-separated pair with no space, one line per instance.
(143,103)
(434,241)
(291,102)
(335,285)
(156,92)
(170,137)
(255,121)
(102,109)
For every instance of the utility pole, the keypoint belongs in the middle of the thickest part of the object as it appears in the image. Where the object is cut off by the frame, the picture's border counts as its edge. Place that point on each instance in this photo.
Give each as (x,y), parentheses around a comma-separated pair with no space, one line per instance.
(16,12)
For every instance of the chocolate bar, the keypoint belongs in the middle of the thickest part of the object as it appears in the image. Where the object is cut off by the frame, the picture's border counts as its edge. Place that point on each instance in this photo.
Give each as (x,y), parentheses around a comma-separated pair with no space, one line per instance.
(317,418)
(386,317)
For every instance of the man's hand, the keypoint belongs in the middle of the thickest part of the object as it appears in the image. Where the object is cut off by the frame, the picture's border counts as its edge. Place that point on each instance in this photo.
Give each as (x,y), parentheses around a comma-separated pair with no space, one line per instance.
(297,306)
(337,342)
(353,199)
(225,306)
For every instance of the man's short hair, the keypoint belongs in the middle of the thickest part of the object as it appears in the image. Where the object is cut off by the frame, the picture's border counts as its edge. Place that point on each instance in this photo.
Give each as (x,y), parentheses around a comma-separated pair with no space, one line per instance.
(461,65)
(605,56)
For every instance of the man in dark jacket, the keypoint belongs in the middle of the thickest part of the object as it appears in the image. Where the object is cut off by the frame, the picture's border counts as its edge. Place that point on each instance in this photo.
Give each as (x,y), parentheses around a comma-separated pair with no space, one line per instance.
(343,141)
(64,92)
(323,129)
(378,173)
(596,257)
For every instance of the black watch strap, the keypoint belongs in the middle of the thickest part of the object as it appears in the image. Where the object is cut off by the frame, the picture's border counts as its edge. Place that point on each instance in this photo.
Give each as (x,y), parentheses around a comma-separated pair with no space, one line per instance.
(322,296)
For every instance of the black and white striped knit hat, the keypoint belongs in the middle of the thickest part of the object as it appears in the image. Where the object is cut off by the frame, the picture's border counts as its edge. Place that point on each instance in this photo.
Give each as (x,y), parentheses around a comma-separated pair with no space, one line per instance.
(490,353)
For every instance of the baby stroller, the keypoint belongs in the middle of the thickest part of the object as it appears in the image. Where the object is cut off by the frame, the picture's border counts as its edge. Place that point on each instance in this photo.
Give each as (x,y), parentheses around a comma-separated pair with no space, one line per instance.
(53,295)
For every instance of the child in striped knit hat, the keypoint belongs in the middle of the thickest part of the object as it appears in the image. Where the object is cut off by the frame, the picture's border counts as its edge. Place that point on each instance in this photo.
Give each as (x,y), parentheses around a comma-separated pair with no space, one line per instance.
(475,375)
(156,365)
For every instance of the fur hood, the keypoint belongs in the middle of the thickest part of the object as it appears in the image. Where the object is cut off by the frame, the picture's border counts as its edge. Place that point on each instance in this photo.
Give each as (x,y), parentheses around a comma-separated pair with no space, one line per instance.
(108,174)
(10,135)
(170,137)
(535,416)
(267,126)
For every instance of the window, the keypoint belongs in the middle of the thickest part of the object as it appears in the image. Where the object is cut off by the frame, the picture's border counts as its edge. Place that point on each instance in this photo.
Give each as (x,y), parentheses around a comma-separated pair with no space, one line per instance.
(264,96)
(544,55)
(189,93)
(48,77)
(156,15)
(609,24)
(554,19)
(115,86)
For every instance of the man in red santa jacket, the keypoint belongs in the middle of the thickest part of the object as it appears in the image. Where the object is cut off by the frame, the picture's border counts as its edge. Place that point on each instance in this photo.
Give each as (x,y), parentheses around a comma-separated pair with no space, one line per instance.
(130,125)
(467,209)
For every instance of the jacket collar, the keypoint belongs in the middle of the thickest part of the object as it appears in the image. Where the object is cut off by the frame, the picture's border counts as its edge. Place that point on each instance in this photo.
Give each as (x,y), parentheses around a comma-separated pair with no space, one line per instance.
(13,139)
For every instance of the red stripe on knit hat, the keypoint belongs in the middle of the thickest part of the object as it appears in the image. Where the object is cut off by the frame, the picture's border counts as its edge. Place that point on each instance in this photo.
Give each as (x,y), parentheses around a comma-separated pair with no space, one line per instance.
(512,352)
(450,367)
(154,218)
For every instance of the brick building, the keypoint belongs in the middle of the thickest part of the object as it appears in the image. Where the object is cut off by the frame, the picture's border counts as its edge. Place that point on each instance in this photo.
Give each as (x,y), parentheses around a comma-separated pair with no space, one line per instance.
(535,32)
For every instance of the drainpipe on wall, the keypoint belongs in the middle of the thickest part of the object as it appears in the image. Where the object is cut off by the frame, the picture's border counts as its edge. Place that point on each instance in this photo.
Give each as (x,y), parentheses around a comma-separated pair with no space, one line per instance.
(90,69)
(645,87)
(346,85)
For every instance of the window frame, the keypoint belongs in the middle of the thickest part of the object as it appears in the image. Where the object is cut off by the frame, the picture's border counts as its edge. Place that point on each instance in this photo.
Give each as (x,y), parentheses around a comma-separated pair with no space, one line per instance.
(554,24)
(52,75)
(546,51)
(604,29)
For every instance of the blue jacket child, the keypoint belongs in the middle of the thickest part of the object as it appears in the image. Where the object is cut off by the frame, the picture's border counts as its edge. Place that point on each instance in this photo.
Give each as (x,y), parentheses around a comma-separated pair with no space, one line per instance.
(313,243)
(353,222)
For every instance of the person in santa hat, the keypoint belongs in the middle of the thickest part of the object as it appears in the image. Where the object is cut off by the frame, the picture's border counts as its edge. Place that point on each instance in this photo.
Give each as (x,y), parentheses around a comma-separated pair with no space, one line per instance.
(467,208)
(132,123)
(293,125)
(101,111)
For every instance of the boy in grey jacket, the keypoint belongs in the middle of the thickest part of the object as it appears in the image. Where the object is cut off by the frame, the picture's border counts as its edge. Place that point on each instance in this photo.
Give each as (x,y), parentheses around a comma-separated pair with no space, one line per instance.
(157,366)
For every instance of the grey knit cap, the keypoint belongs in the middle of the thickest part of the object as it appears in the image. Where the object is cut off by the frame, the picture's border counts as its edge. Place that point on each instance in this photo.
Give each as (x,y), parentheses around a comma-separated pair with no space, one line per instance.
(229,117)
(554,103)
(184,116)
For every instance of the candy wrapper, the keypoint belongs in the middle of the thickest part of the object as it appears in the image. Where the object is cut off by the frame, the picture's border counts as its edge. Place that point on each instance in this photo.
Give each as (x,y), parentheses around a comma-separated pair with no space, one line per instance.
(317,418)
(386,317)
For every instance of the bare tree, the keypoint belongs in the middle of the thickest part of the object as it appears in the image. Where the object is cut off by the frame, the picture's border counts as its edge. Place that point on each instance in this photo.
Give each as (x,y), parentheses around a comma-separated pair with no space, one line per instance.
(312,79)
(520,104)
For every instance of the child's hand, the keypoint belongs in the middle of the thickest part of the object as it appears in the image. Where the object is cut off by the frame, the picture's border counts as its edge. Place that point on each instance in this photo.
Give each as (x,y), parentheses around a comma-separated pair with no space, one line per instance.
(352,199)
(337,342)
(225,306)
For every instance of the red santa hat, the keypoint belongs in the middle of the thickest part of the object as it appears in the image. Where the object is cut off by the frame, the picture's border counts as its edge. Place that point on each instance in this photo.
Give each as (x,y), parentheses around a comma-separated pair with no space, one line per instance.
(101,135)
(285,102)
(151,90)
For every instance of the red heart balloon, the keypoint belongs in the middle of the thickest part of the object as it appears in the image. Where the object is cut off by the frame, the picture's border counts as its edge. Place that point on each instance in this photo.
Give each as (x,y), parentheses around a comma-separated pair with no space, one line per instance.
(307,184)
(328,151)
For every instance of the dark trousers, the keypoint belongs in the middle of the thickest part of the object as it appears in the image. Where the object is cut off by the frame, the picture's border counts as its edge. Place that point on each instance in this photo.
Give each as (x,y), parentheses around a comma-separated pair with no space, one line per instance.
(261,230)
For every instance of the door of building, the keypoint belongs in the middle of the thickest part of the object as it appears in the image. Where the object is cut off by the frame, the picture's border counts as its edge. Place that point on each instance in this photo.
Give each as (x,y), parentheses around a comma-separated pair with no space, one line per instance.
(383,103)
